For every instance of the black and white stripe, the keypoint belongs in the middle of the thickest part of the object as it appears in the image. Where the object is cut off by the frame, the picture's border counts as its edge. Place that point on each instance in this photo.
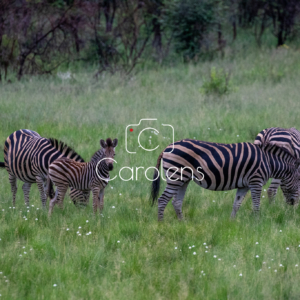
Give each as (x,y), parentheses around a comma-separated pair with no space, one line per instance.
(91,176)
(285,138)
(222,167)
(27,157)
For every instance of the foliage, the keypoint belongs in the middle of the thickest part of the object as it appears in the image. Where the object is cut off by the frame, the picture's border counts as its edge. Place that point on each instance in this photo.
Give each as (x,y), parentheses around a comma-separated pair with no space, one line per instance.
(190,21)
(37,37)
(218,82)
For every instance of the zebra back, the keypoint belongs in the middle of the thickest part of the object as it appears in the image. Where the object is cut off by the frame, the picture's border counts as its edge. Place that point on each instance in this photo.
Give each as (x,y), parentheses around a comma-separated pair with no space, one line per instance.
(287,139)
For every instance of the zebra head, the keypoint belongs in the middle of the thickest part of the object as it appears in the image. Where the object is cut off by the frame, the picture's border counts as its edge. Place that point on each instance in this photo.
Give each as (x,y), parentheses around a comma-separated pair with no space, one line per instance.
(108,149)
(291,187)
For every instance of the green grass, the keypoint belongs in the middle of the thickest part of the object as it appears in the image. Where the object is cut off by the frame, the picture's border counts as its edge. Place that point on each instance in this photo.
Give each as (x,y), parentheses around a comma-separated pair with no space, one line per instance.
(145,263)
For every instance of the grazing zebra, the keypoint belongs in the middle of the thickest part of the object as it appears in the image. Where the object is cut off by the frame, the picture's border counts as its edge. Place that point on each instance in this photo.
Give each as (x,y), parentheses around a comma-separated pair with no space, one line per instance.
(93,175)
(222,167)
(27,157)
(286,138)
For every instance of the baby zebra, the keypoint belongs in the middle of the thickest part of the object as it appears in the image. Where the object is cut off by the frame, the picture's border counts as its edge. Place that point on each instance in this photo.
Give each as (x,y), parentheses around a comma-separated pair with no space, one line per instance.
(93,175)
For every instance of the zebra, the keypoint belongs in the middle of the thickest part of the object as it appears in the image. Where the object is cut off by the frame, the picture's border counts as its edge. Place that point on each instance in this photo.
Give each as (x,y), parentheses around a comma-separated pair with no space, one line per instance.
(222,167)
(27,157)
(286,138)
(93,175)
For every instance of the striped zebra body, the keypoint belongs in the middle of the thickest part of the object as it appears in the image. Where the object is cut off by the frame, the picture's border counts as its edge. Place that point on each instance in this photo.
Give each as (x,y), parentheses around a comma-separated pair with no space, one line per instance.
(285,138)
(27,157)
(222,167)
(90,176)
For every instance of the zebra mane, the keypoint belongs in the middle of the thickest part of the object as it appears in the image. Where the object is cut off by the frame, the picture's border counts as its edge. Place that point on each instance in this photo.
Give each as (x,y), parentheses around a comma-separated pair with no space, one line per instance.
(97,155)
(65,150)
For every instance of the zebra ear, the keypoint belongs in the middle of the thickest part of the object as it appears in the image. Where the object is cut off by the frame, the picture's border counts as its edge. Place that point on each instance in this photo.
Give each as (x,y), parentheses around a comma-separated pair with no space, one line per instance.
(115,143)
(103,144)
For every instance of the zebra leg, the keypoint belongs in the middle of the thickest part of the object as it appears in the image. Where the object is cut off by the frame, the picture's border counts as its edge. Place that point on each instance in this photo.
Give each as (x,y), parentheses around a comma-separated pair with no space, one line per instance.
(273,188)
(26,189)
(178,199)
(255,194)
(96,192)
(13,185)
(40,184)
(58,198)
(164,199)
(239,197)
(101,200)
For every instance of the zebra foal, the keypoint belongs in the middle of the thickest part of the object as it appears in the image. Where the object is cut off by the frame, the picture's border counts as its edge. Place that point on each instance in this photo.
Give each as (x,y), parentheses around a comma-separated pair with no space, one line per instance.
(93,175)
(223,167)
(285,138)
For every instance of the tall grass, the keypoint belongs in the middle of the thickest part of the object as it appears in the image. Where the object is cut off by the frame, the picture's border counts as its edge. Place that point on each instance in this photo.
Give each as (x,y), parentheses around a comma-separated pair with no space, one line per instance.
(128,254)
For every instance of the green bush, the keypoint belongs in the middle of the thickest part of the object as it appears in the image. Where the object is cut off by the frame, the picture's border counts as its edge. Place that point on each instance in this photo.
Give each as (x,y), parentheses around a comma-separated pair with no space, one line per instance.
(218,83)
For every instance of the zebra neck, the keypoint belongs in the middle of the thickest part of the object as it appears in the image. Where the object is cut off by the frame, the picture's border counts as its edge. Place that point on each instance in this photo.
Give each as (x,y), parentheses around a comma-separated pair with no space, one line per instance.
(99,166)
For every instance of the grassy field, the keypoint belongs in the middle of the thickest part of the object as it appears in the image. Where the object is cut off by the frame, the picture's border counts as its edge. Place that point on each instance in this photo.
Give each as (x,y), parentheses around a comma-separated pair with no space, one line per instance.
(129,255)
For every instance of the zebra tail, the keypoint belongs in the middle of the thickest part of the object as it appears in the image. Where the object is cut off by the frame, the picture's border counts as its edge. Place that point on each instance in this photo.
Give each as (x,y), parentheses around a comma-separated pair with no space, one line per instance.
(50,190)
(2,165)
(156,181)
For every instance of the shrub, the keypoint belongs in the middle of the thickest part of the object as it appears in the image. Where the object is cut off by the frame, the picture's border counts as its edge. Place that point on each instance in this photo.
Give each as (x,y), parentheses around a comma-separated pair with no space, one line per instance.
(218,83)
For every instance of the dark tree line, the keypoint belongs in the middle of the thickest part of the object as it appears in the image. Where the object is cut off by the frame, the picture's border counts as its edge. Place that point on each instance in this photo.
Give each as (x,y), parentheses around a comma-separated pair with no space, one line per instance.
(37,36)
